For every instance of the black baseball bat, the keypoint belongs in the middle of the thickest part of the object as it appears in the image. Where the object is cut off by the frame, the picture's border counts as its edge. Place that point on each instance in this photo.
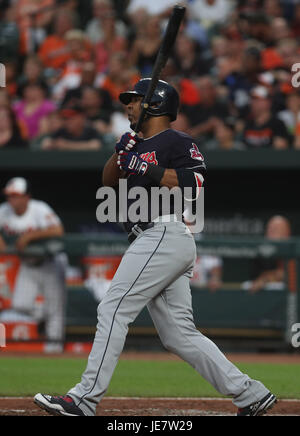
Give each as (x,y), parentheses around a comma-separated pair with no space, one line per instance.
(161,60)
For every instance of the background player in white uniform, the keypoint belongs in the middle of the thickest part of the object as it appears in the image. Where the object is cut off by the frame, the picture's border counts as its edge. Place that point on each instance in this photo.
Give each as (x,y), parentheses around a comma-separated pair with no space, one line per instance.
(26,220)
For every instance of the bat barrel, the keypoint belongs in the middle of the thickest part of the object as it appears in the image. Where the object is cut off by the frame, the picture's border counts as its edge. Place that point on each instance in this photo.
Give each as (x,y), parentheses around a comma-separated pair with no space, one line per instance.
(172,29)
(162,57)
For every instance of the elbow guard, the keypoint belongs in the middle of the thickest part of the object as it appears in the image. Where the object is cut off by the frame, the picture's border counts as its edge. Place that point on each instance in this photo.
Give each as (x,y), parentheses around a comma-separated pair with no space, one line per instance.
(192,180)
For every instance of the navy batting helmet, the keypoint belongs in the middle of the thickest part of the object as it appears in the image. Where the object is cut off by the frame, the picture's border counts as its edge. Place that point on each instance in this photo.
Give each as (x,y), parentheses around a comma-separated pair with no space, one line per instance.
(165,100)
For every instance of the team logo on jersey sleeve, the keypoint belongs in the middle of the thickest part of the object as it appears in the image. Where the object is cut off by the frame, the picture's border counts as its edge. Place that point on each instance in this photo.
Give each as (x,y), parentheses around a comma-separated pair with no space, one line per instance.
(195,152)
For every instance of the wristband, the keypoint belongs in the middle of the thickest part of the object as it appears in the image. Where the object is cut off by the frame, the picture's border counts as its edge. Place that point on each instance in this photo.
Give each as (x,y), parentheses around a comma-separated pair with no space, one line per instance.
(156,173)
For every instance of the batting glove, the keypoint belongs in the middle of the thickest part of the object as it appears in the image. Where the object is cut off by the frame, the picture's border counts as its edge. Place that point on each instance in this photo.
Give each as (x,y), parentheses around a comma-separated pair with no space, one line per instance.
(127,142)
(132,163)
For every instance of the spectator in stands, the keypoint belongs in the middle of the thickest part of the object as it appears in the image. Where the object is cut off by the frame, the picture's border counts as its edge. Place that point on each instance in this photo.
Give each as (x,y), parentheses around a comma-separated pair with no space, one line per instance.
(11,68)
(75,135)
(54,51)
(272,8)
(103,9)
(210,12)
(120,76)
(154,7)
(80,52)
(214,68)
(223,68)
(32,71)
(295,25)
(280,29)
(181,123)
(240,81)
(208,270)
(269,273)
(259,28)
(219,46)
(288,50)
(49,125)
(291,114)
(97,106)
(10,135)
(225,136)
(9,34)
(188,58)
(262,129)
(207,273)
(194,30)
(119,123)
(88,77)
(5,99)
(282,55)
(203,117)
(111,41)
(248,6)
(33,17)
(297,138)
(33,107)
(146,45)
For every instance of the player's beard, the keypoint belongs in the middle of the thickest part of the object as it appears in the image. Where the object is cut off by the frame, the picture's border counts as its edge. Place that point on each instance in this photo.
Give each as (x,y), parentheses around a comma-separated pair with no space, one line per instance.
(133,126)
(134,123)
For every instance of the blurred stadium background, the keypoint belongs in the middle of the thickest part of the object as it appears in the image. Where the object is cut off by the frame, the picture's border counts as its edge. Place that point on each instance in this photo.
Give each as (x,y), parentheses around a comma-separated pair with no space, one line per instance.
(232,65)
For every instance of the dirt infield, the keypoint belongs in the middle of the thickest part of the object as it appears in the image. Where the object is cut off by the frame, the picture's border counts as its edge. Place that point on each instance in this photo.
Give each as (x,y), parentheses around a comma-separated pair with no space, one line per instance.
(166,406)
(151,407)
(233,357)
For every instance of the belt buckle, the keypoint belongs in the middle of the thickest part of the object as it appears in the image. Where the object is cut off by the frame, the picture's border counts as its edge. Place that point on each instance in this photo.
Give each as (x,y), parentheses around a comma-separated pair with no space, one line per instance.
(131,237)
(135,231)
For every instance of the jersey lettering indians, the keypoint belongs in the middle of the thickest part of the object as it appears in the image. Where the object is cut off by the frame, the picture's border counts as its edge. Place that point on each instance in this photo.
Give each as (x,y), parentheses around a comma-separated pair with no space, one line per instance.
(169,149)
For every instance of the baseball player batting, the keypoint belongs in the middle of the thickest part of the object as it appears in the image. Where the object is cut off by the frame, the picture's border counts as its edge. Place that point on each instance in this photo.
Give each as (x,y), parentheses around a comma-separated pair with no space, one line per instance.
(156,268)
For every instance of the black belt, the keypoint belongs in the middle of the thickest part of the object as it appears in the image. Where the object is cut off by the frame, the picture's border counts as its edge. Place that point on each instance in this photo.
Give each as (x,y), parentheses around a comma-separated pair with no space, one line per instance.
(138,229)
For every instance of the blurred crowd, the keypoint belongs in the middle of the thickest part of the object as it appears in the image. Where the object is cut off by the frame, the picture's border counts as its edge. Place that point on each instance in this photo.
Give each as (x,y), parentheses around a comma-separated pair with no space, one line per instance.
(67,61)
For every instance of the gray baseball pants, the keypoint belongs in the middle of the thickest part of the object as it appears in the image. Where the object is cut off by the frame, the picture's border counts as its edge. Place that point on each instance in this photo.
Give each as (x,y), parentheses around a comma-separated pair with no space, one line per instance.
(155,272)
(47,279)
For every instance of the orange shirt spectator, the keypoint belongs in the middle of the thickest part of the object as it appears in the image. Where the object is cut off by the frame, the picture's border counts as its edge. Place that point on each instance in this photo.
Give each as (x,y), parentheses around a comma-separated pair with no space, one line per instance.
(115,88)
(11,78)
(189,94)
(120,76)
(271,59)
(81,52)
(32,13)
(54,51)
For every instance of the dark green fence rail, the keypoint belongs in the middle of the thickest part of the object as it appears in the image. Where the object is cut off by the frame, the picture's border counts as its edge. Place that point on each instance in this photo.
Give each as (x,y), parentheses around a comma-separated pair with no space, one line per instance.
(62,160)
(230,247)
(228,312)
